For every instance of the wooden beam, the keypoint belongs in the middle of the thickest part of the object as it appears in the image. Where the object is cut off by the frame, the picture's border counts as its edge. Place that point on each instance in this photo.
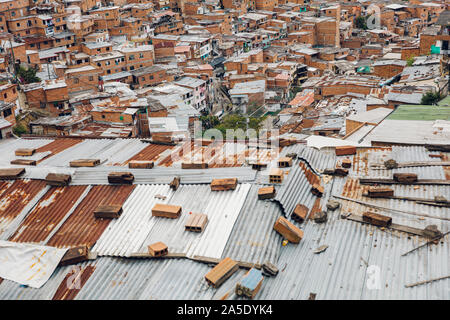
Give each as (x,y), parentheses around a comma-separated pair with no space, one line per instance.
(381,166)
(392,181)
(425,282)
(393,226)
(389,209)
(430,202)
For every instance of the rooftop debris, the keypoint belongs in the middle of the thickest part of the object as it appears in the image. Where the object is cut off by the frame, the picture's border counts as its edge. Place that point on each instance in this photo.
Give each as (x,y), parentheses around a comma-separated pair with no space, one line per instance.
(320,217)
(75,255)
(224,184)
(346,163)
(108,211)
(391,209)
(24,162)
(85,163)
(166,211)
(391,164)
(24,152)
(194,165)
(270,269)
(58,179)
(300,213)
(175,183)
(121,177)
(250,284)
(140,164)
(12,173)
(288,230)
(333,205)
(221,272)
(196,222)
(425,281)
(321,249)
(406,178)
(377,192)
(266,193)
(158,249)
(276,175)
(317,190)
(377,219)
(284,162)
(437,238)
(345,150)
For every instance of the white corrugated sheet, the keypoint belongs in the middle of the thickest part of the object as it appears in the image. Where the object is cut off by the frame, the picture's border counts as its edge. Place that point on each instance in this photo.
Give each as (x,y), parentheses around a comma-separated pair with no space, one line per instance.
(27,264)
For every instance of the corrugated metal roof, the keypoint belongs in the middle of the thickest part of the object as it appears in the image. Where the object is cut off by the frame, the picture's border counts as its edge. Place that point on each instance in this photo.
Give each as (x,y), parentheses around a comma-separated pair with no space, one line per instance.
(9,146)
(218,154)
(253,239)
(16,199)
(58,146)
(150,152)
(126,234)
(222,209)
(296,189)
(163,175)
(82,228)
(109,151)
(47,214)
(341,272)
(140,279)
(10,290)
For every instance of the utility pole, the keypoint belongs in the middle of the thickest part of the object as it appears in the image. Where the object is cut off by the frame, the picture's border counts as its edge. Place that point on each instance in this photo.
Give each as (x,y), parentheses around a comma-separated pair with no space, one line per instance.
(13,58)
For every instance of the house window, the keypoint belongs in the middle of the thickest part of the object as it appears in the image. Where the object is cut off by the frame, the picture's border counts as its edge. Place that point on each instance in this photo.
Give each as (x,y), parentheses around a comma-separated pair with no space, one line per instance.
(7,112)
(103,116)
(5,95)
(91,78)
(141,55)
(75,80)
(99,64)
(131,57)
(143,78)
(151,77)
(18,24)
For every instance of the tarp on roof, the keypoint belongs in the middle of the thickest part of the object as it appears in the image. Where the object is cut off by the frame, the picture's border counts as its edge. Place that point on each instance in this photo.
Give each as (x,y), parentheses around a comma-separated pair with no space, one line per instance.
(27,264)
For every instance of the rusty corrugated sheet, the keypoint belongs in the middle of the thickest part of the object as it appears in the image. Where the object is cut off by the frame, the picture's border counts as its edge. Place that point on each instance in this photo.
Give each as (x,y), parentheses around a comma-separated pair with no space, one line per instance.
(14,197)
(310,176)
(49,211)
(218,154)
(73,282)
(179,152)
(149,153)
(82,228)
(57,146)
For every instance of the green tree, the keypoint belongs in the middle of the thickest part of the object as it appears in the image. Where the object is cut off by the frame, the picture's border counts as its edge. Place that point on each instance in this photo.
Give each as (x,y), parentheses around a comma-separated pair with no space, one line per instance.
(431,98)
(27,75)
(361,22)
(410,61)
(237,121)
(209,121)
(19,130)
